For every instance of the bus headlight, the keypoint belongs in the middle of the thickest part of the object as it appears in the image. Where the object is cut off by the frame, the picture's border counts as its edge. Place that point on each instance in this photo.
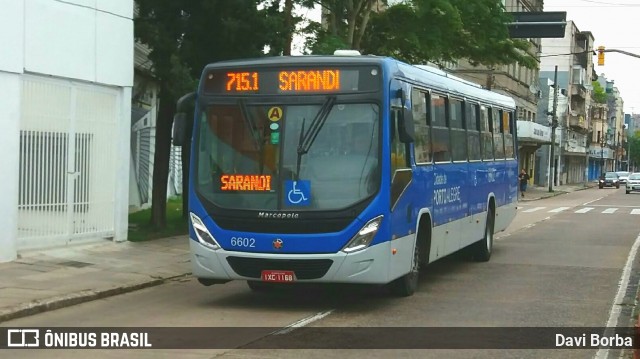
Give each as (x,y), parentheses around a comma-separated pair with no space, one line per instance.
(365,235)
(204,237)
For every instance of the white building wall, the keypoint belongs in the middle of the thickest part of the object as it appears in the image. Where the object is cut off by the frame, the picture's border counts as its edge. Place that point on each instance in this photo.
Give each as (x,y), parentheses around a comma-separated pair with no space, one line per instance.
(9,137)
(88,42)
(552,48)
(11,64)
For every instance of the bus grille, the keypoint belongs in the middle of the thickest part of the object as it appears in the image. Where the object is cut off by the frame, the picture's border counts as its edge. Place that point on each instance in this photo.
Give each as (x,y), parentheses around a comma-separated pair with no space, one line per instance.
(303,268)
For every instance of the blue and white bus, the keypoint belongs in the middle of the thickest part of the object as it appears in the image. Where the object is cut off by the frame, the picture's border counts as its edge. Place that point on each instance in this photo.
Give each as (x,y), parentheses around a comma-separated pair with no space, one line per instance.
(343,169)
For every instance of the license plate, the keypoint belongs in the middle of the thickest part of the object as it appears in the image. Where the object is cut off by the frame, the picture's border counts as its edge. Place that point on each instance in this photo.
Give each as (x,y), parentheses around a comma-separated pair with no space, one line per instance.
(278,276)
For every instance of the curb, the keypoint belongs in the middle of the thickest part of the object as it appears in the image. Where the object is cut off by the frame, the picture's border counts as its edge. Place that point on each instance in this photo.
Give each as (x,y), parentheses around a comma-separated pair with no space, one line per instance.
(554,194)
(63,301)
(557,193)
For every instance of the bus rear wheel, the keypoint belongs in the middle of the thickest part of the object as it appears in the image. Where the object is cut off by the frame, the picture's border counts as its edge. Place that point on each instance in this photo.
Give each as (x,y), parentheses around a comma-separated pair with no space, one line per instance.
(406,285)
(481,250)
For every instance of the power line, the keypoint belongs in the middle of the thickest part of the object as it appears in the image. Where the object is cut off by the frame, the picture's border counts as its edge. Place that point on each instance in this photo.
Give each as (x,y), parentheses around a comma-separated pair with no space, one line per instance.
(608,3)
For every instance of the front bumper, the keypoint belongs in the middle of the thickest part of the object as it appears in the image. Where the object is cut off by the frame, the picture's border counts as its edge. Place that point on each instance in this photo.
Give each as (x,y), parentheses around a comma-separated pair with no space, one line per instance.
(370,265)
(632,187)
(608,184)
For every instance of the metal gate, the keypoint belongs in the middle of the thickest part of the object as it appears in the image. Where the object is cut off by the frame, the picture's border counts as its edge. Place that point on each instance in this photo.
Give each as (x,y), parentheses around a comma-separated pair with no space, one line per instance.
(67,176)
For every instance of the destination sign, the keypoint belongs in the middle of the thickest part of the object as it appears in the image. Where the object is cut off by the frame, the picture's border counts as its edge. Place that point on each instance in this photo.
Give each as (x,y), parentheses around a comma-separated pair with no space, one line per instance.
(245,182)
(318,80)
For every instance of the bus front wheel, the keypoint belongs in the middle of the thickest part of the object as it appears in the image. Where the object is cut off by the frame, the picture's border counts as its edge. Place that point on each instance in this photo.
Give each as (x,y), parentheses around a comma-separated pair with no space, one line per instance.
(406,285)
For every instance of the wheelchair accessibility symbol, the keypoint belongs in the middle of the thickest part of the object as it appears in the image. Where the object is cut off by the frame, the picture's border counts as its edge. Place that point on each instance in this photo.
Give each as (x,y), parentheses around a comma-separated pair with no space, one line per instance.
(298,193)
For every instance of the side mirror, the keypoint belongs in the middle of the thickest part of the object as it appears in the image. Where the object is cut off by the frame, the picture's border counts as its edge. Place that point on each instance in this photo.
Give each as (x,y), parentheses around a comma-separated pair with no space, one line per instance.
(406,129)
(179,129)
(180,125)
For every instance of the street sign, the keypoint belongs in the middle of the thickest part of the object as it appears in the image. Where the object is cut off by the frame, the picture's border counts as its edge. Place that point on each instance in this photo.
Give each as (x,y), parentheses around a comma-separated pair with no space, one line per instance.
(549,24)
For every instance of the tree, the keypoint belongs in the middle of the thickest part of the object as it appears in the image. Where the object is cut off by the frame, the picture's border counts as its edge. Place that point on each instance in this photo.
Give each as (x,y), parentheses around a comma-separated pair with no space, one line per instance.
(446,30)
(346,24)
(598,94)
(183,37)
(634,144)
(418,31)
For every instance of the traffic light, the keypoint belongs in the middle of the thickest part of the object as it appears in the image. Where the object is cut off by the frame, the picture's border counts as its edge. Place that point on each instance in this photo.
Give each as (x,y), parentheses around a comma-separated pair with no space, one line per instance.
(600,55)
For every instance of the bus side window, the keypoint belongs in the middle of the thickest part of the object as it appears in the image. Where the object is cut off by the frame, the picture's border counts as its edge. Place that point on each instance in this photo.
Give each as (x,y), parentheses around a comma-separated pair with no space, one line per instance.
(401,173)
(440,130)
(458,133)
(473,132)
(507,121)
(422,143)
(399,150)
(485,134)
(498,140)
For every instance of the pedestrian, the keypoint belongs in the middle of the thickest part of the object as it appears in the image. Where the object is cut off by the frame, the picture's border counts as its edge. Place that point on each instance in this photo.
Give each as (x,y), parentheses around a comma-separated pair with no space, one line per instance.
(524,179)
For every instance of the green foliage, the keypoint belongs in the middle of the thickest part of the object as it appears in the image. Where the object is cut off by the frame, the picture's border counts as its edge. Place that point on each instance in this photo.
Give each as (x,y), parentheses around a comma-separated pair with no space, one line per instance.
(443,30)
(184,36)
(598,94)
(141,230)
(634,143)
(346,24)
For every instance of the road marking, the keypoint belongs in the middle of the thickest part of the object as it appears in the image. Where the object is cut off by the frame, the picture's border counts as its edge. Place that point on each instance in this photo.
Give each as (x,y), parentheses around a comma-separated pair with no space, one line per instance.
(635,211)
(584,210)
(616,308)
(610,210)
(597,199)
(533,209)
(609,205)
(559,209)
(302,322)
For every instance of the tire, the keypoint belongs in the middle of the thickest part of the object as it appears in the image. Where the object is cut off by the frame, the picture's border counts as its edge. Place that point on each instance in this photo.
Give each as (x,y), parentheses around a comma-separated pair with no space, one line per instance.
(618,187)
(600,187)
(481,250)
(406,285)
(627,192)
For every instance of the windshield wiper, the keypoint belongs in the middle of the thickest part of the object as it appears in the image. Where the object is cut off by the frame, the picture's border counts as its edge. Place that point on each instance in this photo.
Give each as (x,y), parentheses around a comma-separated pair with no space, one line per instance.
(250,122)
(307,138)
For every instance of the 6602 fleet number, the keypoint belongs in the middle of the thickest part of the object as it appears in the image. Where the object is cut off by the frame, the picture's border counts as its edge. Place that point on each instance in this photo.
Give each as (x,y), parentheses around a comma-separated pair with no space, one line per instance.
(243,242)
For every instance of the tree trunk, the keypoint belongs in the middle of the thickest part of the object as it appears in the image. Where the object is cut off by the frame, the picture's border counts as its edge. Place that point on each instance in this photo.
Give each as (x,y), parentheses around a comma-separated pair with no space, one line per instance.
(288,21)
(161,160)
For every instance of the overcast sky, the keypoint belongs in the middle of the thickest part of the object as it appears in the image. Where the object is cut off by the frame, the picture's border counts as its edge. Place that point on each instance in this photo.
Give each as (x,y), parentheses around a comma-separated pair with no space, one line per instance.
(615,24)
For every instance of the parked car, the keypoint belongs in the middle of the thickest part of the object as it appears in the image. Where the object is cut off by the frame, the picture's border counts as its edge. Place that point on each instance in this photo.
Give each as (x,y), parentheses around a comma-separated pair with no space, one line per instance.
(633,183)
(623,175)
(609,179)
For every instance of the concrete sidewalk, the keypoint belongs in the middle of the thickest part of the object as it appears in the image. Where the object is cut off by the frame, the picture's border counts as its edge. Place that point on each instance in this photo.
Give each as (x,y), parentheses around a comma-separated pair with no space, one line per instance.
(535,193)
(45,280)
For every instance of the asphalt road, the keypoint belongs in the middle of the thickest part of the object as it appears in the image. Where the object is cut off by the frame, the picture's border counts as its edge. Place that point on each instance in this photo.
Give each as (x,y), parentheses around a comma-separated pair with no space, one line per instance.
(558,265)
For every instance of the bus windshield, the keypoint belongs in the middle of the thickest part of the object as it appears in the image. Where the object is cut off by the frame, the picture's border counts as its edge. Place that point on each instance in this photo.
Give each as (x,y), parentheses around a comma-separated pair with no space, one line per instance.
(253,156)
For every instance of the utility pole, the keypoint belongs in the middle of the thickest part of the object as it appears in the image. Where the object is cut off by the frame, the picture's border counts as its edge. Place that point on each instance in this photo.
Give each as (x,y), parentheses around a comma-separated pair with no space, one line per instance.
(554,124)
(629,148)
(586,145)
